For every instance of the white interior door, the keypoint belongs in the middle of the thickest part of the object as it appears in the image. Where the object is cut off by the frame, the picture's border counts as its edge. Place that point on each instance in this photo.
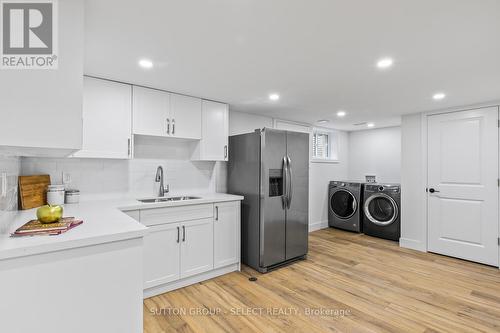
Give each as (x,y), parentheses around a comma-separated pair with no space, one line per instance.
(462,184)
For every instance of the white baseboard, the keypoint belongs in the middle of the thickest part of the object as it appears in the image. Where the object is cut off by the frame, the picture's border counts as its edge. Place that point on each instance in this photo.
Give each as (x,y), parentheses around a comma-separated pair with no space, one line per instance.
(153,291)
(318,225)
(412,244)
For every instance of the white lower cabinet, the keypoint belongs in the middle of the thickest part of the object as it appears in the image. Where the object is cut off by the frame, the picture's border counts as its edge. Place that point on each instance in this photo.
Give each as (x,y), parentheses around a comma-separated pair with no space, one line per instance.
(189,244)
(161,254)
(197,254)
(226,233)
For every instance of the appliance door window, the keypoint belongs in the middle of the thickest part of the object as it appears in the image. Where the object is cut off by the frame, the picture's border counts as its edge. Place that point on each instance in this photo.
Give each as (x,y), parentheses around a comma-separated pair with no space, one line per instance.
(343,204)
(381,209)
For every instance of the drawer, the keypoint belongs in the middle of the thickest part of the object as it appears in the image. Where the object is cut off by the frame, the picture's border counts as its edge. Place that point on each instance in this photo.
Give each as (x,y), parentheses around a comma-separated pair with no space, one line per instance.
(176,214)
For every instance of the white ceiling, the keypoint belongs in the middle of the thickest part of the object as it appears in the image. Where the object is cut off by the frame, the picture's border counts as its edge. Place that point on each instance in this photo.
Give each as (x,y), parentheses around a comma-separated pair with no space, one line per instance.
(319,55)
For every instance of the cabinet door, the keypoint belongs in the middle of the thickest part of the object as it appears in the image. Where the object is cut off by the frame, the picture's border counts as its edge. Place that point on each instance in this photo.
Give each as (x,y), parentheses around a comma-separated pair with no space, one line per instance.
(185,114)
(215,130)
(226,233)
(151,109)
(161,254)
(107,119)
(197,254)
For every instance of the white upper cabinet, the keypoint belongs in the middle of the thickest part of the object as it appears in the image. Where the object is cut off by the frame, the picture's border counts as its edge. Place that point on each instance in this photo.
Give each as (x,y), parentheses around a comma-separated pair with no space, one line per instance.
(151,110)
(213,145)
(107,119)
(185,117)
(159,113)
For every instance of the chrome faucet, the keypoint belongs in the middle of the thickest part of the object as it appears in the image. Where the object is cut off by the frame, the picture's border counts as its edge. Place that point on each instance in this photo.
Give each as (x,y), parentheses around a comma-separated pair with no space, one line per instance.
(160,179)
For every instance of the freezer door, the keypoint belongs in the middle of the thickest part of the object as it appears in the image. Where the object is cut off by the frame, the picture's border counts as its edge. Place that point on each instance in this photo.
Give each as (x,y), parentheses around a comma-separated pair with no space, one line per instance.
(272,219)
(297,214)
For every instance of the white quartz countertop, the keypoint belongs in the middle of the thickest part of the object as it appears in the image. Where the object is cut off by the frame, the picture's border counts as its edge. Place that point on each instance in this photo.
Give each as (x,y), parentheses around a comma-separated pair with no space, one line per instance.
(104,221)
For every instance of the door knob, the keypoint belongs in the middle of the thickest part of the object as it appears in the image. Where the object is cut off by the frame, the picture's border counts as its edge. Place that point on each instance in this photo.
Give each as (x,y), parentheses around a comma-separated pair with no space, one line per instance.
(431,190)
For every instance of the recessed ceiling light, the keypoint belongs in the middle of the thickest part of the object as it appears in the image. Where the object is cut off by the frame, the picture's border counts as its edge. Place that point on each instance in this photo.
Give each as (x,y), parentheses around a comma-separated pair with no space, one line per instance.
(438,96)
(274,97)
(385,63)
(341,113)
(370,125)
(323,121)
(146,63)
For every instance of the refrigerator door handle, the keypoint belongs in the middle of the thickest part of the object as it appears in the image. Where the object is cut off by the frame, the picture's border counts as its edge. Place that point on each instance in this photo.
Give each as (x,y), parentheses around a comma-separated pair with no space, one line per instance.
(289,181)
(284,197)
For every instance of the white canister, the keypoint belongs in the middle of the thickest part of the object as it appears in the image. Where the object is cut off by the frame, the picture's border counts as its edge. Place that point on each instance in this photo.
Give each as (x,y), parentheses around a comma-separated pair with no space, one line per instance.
(55,195)
(72,196)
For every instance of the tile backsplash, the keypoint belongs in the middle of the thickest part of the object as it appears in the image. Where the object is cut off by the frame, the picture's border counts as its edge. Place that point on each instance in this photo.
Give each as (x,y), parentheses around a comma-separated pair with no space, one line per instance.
(105,177)
(10,167)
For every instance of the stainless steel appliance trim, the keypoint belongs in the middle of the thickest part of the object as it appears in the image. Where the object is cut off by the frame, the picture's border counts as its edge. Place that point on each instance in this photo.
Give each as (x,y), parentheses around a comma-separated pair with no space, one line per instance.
(284,172)
(290,183)
(374,220)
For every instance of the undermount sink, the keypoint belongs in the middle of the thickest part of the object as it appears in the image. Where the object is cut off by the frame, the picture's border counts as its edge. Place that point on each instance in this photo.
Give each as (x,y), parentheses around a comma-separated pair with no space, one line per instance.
(167,199)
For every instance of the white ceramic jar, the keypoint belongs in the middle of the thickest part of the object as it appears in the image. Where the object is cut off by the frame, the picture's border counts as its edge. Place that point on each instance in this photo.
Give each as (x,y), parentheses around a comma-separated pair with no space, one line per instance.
(55,195)
(72,196)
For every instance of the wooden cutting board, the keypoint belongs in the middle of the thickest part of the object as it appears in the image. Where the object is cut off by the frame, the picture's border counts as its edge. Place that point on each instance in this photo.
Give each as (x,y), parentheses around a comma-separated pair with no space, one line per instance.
(33,191)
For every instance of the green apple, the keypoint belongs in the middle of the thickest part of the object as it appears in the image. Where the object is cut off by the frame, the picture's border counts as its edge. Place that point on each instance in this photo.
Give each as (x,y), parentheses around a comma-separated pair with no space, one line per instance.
(49,214)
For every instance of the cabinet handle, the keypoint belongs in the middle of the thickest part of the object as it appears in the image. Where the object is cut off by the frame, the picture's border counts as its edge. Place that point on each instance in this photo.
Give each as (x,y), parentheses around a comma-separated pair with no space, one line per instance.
(173,126)
(216,213)
(178,234)
(225,151)
(183,233)
(168,126)
(128,147)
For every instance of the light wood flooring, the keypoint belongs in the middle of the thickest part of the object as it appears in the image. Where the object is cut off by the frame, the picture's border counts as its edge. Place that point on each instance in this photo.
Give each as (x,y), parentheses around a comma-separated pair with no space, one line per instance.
(349,283)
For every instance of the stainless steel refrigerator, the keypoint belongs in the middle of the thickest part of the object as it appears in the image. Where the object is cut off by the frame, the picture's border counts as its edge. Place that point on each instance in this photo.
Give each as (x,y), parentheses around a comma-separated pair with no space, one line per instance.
(270,168)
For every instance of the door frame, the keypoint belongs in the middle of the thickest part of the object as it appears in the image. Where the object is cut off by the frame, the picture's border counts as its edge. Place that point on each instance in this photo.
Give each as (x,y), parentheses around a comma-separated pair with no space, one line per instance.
(424,167)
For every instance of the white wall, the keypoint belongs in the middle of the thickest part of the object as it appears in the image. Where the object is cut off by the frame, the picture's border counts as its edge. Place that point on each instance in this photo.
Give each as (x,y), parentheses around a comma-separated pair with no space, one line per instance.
(320,174)
(375,152)
(101,178)
(413,220)
(38,103)
(240,123)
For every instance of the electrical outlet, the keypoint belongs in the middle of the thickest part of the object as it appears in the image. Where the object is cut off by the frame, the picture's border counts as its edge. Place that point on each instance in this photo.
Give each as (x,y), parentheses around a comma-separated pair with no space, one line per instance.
(66,178)
(4,185)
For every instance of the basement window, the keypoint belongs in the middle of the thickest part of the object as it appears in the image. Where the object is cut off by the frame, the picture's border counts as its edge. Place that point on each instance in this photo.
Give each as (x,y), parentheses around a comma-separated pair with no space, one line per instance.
(324,146)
